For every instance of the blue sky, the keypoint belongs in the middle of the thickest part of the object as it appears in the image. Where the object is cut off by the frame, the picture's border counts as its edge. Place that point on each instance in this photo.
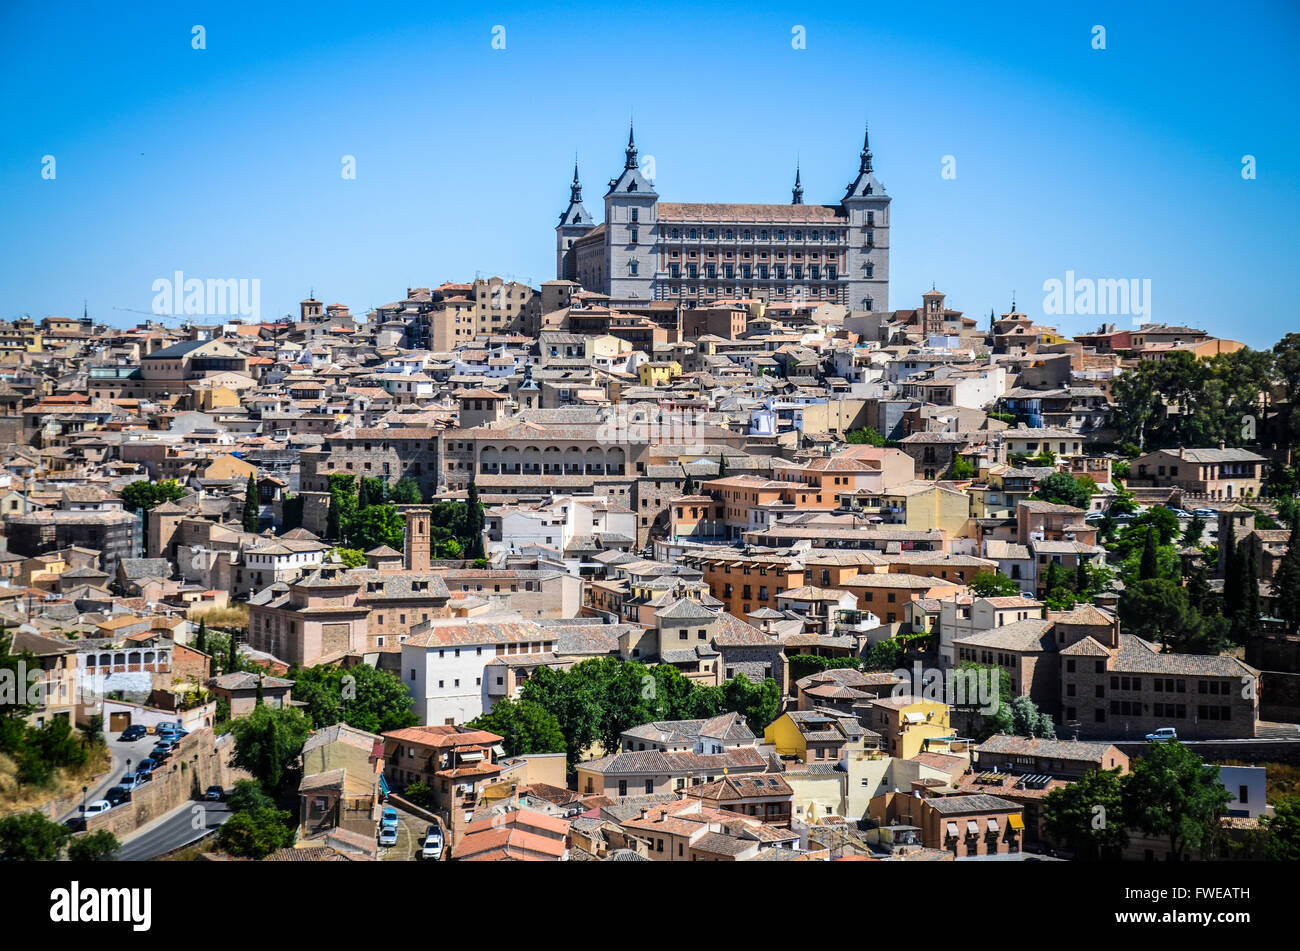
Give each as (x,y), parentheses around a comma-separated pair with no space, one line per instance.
(225,162)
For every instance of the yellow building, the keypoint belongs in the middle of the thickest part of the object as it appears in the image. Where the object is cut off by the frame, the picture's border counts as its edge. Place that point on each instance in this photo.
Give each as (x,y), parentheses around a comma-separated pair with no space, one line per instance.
(227,466)
(928,505)
(909,725)
(814,736)
(658,372)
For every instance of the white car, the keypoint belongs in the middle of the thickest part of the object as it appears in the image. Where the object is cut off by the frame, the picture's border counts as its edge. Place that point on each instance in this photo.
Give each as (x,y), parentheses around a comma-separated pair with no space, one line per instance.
(432,848)
(1164,733)
(96,807)
(387,837)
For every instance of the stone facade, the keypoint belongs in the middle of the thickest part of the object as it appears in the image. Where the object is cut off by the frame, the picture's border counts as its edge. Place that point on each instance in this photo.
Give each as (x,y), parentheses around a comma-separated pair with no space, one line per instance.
(652,250)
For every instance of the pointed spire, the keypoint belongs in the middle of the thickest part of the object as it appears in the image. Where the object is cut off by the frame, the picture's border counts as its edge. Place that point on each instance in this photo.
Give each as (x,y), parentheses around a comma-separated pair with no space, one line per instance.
(631,148)
(798,187)
(866,150)
(575,190)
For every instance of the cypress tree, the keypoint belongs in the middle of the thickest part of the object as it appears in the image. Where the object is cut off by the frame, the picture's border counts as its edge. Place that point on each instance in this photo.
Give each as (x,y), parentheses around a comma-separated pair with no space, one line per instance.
(1231,574)
(1150,566)
(1286,582)
(1249,588)
(232,657)
(252,518)
(201,639)
(722,466)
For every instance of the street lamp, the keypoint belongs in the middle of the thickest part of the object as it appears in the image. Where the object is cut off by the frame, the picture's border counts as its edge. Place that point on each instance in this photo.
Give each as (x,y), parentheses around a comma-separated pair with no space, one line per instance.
(84,790)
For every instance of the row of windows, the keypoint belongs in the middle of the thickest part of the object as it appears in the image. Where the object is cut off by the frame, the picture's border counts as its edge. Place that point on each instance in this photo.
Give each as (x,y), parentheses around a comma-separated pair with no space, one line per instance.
(747,234)
(777,272)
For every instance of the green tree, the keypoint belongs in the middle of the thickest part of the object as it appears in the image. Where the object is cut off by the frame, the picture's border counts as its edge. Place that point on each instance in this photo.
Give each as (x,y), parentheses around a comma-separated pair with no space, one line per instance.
(1195,532)
(267,741)
(291,512)
(421,794)
(350,557)
(201,638)
(1286,580)
(252,509)
(1061,488)
(142,495)
(1282,830)
(406,492)
(1150,567)
(759,703)
(992,584)
(1087,816)
(1170,793)
(362,696)
(30,837)
(248,796)
(375,526)
(372,491)
(524,727)
(343,504)
(886,654)
(256,834)
(232,655)
(101,846)
(865,436)
(688,486)
(960,468)
(473,539)
(722,465)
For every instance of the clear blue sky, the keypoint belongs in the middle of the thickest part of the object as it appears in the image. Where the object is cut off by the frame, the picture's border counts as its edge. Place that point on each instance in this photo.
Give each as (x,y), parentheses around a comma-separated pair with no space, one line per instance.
(1122,163)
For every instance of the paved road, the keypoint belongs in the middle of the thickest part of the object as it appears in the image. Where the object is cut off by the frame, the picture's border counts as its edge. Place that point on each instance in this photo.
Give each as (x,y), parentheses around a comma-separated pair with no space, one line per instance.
(121,752)
(180,827)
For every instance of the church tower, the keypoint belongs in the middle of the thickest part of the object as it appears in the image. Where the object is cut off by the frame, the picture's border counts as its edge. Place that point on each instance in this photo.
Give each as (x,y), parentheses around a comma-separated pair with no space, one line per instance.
(631,231)
(866,269)
(574,223)
(797,191)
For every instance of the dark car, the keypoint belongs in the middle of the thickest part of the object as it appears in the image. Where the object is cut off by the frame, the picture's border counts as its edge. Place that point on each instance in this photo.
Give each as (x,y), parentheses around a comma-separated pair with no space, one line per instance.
(134,732)
(160,752)
(214,794)
(118,795)
(146,765)
(76,823)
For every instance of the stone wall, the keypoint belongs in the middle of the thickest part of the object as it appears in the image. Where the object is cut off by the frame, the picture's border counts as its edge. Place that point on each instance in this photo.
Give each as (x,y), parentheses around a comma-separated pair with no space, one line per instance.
(199,761)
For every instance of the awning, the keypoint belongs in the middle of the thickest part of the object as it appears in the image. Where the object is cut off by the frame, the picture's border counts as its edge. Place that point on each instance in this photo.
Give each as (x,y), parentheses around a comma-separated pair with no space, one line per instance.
(952,829)
(1016,821)
(972,827)
(993,825)
(383,785)
(914,717)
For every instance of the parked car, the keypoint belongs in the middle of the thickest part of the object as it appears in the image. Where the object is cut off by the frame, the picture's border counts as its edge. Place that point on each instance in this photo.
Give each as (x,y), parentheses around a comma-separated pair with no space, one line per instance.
(1181,513)
(160,752)
(96,807)
(1164,733)
(1094,516)
(142,778)
(119,794)
(1206,513)
(132,733)
(146,766)
(432,848)
(388,836)
(129,782)
(388,818)
(214,794)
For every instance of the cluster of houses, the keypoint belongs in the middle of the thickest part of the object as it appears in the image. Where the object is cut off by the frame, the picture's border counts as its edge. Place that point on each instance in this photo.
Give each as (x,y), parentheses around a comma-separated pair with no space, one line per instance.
(721,488)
